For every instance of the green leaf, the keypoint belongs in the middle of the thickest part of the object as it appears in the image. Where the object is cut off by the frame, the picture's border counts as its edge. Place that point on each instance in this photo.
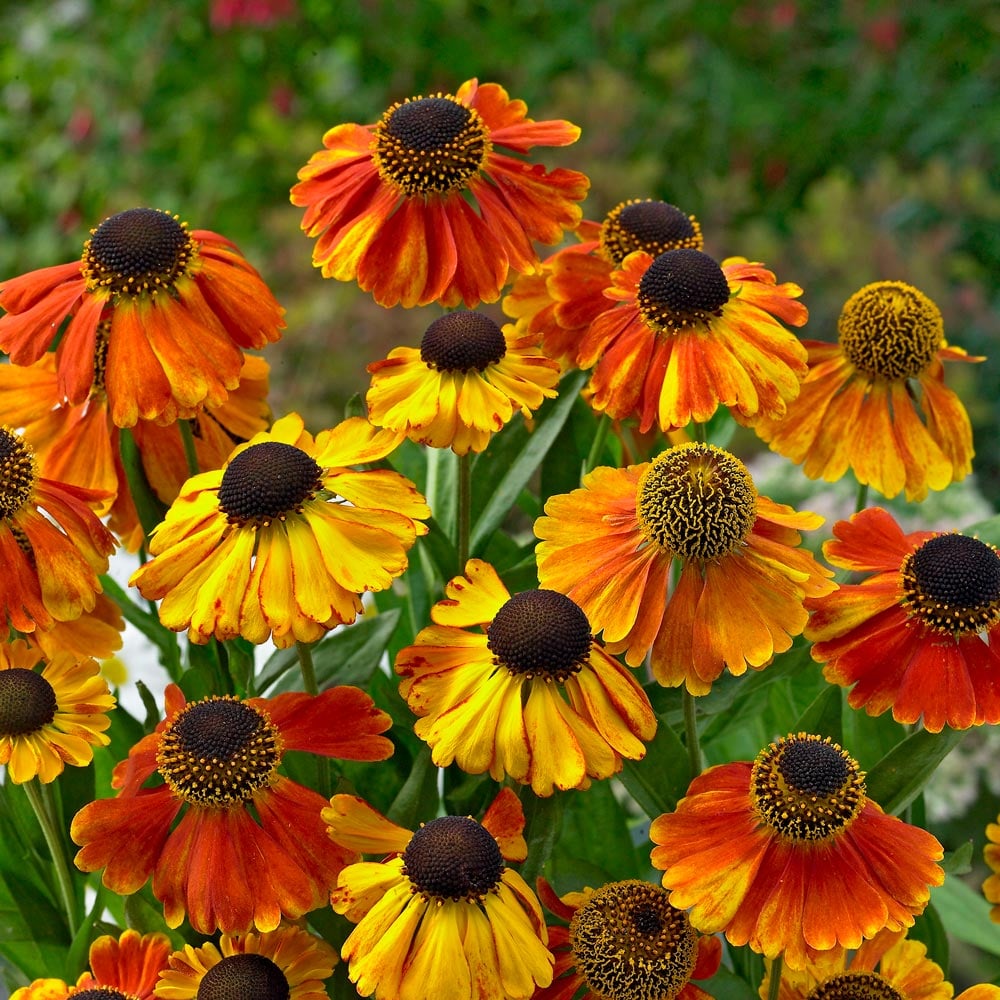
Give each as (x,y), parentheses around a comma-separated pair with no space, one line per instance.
(148,506)
(966,914)
(959,861)
(662,777)
(901,774)
(930,929)
(823,716)
(417,800)
(542,825)
(148,624)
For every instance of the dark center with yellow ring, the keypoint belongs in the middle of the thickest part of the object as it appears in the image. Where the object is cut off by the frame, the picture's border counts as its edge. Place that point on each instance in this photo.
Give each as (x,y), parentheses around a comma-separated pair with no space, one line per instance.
(141,251)
(651,226)
(856,986)
(18,472)
(27,702)
(697,501)
(462,340)
(430,145)
(890,330)
(102,993)
(540,633)
(453,858)
(952,584)
(806,788)
(244,977)
(219,751)
(682,288)
(631,944)
(267,482)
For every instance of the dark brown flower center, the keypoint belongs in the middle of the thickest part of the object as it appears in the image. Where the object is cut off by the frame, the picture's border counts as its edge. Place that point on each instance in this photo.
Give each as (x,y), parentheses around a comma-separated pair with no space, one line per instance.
(890,330)
(18,472)
(682,288)
(806,788)
(453,858)
(460,341)
(540,633)
(856,986)
(27,702)
(244,977)
(430,145)
(219,751)
(267,482)
(697,501)
(631,944)
(141,251)
(651,226)
(952,584)
(101,993)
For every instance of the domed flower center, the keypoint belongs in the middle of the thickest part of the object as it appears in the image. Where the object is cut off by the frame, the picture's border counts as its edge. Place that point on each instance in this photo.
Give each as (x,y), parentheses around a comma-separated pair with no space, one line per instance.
(806,788)
(27,702)
(952,584)
(697,501)
(651,226)
(138,252)
(631,944)
(18,472)
(540,633)
(267,482)
(890,330)
(453,858)
(856,986)
(219,751)
(245,976)
(430,145)
(463,340)
(682,288)
(102,993)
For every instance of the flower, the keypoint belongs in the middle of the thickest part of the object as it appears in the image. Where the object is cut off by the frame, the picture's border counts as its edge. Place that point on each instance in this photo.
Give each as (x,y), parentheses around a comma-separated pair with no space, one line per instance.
(743,580)
(626,942)
(910,635)
(282,542)
(442,914)
(122,968)
(876,402)
(181,304)
(686,335)
(215,760)
(531,695)
(51,717)
(789,855)
(463,384)
(991,855)
(95,634)
(287,962)
(395,204)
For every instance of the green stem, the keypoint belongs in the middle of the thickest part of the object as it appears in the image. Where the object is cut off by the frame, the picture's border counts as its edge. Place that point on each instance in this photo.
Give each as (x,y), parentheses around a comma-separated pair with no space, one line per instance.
(861,500)
(464,512)
(187,440)
(308,671)
(774,984)
(691,734)
(41,802)
(597,445)
(701,433)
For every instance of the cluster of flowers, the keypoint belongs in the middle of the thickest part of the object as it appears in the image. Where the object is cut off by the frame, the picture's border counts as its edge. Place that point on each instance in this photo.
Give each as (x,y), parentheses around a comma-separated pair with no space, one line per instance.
(130,392)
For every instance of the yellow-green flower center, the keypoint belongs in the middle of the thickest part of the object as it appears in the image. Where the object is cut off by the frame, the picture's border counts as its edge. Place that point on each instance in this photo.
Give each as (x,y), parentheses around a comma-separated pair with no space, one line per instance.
(461,341)
(27,702)
(806,788)
(267,482)
(453,858)
(18,472)
(430,145)
(890,330)
(138,252)
(102,993)
(680,289)
(219,751)
(951,583)
(540,633)
(244,977)
(697,501)
(856,986)
(631,944)
(651,226)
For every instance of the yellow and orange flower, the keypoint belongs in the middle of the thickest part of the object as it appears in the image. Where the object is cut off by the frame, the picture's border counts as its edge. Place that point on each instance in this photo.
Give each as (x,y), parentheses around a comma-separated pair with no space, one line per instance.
(910,635)
(788,854)
(743,580)
(217,764)
(463,384)
(527,692)
(95,634)
(991,855)
(282,542)
(423,207)
(442,914)
(182,305)
(876,403)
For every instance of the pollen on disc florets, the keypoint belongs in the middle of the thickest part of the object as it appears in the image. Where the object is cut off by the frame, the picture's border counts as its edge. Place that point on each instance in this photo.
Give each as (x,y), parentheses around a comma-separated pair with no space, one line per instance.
(540,633)
(951,583)
(651,226)
(890,330)
(682,288)
(631,944)
(697,501)
(267,482)
(27,702)
(461,341)
(806,788)
(219,751)
(856,986)
(453,857)
(102,993)
(138,252)
(244,976)
(430,145)
(18,472)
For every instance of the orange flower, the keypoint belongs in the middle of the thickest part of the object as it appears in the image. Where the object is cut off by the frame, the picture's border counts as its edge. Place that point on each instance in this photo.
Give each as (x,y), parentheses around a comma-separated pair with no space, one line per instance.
(395,204)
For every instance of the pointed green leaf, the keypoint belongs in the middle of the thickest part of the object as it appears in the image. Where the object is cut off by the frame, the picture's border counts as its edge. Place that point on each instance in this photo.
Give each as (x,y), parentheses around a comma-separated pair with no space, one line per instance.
(900,775)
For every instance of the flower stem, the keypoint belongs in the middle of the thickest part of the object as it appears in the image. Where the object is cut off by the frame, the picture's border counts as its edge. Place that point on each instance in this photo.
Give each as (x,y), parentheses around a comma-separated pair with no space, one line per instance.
(308,671)
(597,445)
(41,802)
(691,734)
(774,984)
(861,501)
(187,440)
(464,513)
